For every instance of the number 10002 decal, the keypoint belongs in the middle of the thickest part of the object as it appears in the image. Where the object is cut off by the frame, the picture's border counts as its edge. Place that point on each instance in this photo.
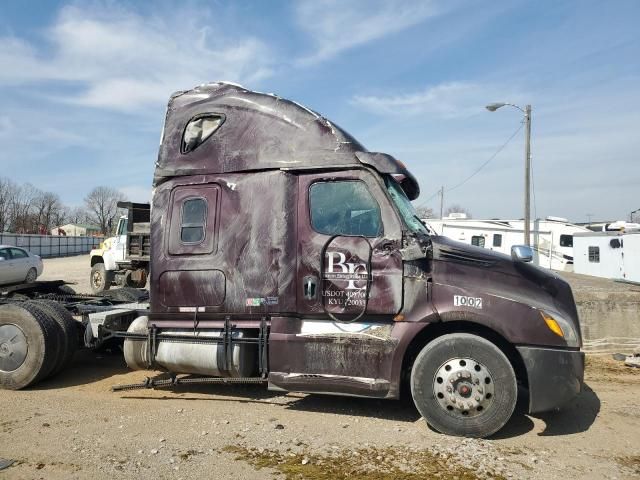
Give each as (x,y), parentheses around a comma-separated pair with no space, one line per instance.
(462,301)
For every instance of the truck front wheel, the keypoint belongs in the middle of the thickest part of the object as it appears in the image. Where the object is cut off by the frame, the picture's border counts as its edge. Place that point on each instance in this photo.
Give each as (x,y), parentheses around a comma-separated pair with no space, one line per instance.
(464,385)
(101,279)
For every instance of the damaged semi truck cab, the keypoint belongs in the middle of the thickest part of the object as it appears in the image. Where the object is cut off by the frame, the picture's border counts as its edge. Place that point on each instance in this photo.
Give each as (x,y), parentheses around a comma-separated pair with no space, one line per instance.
(286,251)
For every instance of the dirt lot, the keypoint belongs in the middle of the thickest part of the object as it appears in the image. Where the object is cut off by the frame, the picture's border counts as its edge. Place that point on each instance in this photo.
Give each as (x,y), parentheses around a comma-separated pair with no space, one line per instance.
(71,269)
(73,426)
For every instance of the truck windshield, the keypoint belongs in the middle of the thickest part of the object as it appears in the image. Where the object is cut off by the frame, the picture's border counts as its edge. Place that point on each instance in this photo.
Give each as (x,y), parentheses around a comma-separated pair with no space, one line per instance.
(405,207)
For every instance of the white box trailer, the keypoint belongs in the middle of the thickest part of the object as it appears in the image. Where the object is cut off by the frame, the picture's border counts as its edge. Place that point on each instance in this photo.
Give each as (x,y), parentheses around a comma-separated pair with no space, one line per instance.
(613,255)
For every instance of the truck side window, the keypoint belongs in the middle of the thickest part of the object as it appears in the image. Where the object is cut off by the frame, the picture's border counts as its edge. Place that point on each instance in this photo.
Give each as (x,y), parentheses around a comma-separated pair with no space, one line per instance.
(122,227)
(344,208)
(194,215)
(477,240)
(497,240)
(594,254)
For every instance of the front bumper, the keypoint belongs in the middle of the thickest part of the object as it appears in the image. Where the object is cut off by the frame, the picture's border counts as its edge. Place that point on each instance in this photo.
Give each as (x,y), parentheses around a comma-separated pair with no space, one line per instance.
(555,376)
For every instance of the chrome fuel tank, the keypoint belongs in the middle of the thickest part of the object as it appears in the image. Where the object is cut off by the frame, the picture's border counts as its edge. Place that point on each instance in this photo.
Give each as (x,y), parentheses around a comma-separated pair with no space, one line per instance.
(185,357)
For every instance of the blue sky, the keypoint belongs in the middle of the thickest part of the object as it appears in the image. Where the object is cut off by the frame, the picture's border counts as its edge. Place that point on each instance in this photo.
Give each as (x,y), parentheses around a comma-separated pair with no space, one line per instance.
(83,87)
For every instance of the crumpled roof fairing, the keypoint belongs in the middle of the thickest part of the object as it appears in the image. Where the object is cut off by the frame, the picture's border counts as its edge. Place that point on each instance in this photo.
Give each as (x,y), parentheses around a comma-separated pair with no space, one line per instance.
(261,131)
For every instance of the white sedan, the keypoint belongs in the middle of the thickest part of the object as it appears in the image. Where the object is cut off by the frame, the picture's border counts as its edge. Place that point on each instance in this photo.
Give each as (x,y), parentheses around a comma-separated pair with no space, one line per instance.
(17,265)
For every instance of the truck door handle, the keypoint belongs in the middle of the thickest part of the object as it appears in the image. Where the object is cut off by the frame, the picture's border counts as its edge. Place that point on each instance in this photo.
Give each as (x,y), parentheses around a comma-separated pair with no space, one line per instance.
(309,287)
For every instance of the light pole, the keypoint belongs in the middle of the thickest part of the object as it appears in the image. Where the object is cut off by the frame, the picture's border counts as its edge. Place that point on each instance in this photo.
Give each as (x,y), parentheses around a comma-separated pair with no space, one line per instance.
(492,107)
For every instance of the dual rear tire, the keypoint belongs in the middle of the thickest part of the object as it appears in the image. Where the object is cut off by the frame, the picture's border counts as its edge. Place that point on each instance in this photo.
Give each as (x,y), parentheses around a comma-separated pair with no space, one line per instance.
(37,340)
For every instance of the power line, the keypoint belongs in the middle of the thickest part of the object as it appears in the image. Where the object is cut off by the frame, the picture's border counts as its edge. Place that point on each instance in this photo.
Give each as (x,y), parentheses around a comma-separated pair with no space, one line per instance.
(488,161)
(495,154)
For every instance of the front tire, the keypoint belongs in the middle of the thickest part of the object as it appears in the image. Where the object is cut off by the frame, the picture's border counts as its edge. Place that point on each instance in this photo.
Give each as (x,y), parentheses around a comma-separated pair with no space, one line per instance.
(464,385)
(32,274)
(100,279)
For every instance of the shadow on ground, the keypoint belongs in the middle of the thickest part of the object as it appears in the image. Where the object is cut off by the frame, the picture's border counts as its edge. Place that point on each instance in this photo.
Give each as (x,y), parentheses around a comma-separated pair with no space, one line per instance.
(576,417)
(89,367)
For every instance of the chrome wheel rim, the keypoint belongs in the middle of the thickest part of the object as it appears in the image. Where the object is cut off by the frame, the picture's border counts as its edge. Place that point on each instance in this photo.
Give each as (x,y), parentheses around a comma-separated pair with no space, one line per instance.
(13,348)
(96,280)
(463,387)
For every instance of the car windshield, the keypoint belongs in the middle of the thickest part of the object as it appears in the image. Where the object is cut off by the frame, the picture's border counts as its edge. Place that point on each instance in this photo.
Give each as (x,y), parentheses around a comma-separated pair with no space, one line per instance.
(405,207)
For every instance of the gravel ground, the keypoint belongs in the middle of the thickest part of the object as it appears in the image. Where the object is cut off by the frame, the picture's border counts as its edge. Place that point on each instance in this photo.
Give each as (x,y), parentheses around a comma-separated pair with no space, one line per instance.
(74,270)
(73,426)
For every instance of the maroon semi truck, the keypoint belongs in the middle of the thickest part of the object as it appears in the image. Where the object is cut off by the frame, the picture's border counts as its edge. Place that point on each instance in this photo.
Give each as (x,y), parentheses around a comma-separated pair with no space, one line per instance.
(283,252)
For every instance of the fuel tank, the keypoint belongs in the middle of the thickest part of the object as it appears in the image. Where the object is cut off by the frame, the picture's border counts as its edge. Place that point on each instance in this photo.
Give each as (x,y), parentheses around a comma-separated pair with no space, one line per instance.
(186,357)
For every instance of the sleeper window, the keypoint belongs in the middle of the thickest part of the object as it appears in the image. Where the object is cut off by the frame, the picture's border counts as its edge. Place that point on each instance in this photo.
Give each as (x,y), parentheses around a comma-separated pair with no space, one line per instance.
(194,215)
(497,240)
(192,229)
(344,208)
(594,254)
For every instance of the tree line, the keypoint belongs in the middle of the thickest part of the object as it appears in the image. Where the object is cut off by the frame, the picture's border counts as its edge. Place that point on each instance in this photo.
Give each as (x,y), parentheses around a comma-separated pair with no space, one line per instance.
(426,212)
(27,209)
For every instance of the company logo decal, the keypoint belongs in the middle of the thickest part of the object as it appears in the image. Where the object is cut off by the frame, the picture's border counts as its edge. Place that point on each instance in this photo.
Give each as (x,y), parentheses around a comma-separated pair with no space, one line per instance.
(345,281)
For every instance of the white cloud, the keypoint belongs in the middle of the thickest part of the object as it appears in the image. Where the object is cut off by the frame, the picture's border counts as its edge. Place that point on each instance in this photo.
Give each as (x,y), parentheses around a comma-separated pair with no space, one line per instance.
(137,193)
(336,25)
(124,61)
(448,100)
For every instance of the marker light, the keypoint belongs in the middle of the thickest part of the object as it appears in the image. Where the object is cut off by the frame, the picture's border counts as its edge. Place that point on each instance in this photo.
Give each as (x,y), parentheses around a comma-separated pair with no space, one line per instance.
(552,324)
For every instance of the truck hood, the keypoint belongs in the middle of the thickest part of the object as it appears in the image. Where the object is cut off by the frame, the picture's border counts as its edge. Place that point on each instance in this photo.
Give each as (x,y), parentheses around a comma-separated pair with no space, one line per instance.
(493,273)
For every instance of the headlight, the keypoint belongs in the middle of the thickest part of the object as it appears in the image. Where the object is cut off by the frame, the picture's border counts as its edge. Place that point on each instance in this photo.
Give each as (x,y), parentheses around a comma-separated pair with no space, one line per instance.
(561,327)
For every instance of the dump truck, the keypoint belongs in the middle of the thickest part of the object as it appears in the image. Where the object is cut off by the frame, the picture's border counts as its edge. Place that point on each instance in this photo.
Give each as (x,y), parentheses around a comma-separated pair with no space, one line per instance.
(285,253)
(123,260)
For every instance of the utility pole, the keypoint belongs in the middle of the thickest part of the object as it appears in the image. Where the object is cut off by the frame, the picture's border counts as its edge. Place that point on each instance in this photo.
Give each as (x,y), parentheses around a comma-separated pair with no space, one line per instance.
(492,107)
(441,202)
(527,175)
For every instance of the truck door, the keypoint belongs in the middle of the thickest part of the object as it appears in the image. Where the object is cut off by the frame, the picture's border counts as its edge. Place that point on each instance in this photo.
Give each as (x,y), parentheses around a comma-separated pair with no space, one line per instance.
(349,239)
(350,276)
(120,240)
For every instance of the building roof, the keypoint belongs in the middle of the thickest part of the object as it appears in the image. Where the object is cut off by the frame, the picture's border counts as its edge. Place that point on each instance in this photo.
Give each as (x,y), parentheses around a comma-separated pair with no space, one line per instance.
(80,225)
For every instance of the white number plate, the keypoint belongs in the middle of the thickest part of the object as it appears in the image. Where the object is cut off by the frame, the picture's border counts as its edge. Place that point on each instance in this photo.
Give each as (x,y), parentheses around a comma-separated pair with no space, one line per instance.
(462,301)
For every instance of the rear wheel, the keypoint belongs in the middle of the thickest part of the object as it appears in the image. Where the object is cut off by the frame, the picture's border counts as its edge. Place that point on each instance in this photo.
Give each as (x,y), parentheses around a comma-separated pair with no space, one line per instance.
(69,329)
(29,346)
(101,279)
(464,385)
(32,274)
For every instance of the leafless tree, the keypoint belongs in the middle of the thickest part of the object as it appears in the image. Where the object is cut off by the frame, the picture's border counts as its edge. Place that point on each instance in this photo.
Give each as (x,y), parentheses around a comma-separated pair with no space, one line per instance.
(102,207)
(7,192)
(457,209)
(48,210)
(76,215)
(22,218)
(425,212)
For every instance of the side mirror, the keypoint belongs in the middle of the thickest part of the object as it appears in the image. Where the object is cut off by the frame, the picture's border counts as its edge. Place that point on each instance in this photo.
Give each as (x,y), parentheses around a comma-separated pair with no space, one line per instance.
(521,253)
